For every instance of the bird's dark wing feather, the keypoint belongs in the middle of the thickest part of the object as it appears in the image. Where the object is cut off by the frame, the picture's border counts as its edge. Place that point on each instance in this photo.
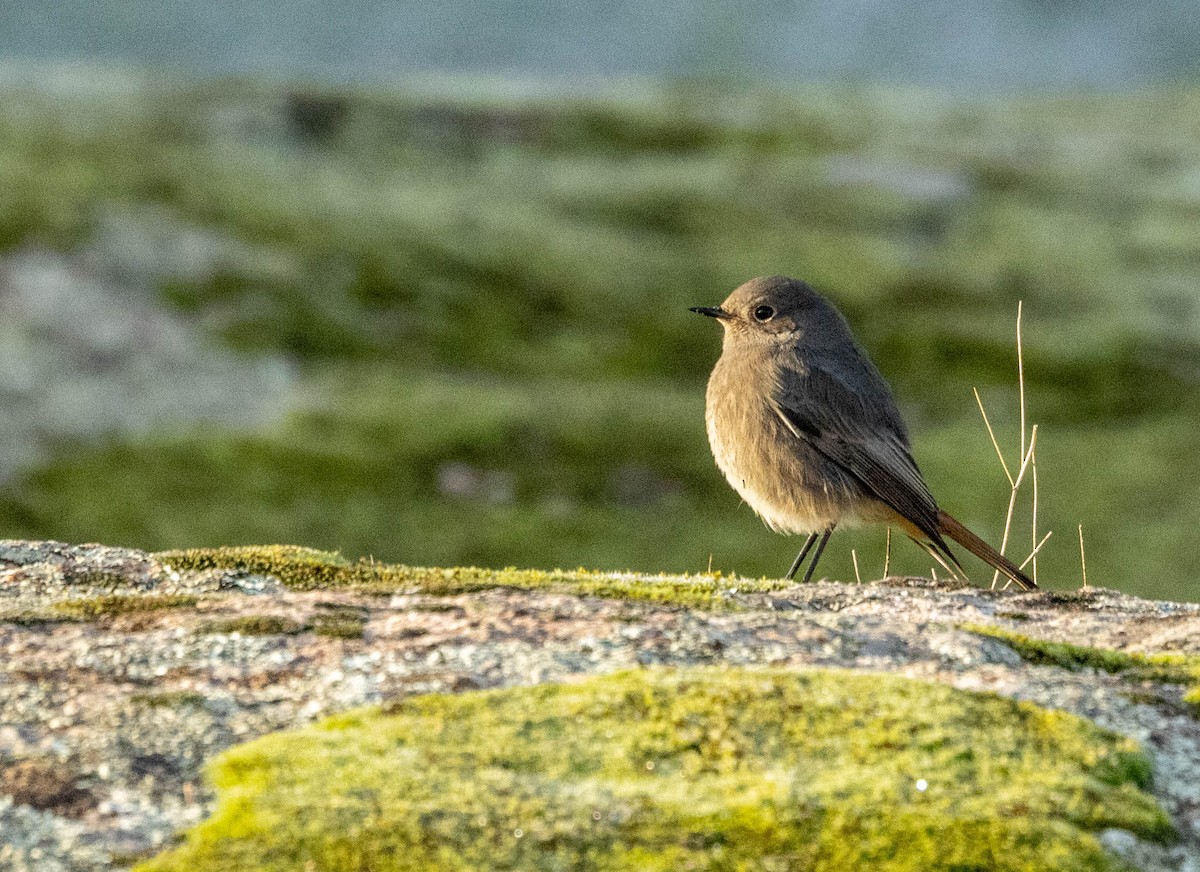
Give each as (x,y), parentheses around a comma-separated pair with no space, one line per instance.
(868,441)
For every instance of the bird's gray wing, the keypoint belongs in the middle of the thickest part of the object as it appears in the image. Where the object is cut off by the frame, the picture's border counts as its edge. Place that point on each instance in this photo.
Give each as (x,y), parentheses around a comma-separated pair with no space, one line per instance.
(865,439)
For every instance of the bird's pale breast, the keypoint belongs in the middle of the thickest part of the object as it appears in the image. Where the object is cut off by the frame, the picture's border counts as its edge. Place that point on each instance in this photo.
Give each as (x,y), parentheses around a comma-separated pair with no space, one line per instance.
(791,487)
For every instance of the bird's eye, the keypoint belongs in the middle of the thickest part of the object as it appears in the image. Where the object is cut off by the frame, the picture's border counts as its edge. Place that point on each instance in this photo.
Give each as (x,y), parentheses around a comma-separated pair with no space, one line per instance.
(764,313)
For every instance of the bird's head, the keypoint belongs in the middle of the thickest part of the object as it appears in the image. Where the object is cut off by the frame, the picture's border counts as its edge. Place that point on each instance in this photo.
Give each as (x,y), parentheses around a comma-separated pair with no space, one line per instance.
(768,307)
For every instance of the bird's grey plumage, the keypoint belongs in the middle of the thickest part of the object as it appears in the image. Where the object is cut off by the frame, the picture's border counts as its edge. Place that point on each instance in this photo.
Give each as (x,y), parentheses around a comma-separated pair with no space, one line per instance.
(805,428)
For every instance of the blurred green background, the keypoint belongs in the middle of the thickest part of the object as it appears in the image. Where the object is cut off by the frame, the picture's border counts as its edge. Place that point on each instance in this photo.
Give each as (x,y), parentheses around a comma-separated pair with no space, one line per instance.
(448,324)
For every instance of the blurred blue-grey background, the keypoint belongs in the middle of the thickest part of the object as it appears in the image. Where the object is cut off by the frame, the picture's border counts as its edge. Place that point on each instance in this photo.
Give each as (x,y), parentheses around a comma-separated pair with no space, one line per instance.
(410,280)
(960,46)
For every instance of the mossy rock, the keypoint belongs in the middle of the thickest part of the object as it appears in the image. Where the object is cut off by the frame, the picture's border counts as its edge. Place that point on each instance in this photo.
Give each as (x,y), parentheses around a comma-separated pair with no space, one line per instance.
(1167,667)
(708,768)
(115,605)
(253,625)
(302,568)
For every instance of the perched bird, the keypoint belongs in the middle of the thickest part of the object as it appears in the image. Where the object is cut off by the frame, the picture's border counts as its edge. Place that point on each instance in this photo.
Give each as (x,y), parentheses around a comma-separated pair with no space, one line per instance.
(807,431)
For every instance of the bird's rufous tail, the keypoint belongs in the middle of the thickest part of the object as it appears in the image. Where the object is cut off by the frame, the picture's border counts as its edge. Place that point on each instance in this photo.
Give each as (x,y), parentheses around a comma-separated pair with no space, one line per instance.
(982,550)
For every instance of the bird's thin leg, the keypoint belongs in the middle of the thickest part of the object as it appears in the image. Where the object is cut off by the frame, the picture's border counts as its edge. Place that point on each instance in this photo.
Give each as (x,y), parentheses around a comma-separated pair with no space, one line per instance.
(812,566)
(808,543)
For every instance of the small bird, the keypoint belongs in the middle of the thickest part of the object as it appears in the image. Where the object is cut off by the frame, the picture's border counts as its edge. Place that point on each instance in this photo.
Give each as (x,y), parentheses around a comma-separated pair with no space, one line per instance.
(807,431)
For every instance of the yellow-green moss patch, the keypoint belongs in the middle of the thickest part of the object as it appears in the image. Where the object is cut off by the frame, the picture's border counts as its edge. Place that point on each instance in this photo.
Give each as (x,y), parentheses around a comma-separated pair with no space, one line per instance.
(1192,698)
(308,569)
(1169,668)
(254,625)
(345,623)
(340,622)
(339,628)
(97,607)
(32,619)
(706,768)
(169,699)
(297,567)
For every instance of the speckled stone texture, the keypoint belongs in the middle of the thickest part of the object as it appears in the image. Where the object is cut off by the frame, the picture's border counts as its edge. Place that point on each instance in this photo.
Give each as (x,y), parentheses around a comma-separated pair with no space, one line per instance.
(106,724)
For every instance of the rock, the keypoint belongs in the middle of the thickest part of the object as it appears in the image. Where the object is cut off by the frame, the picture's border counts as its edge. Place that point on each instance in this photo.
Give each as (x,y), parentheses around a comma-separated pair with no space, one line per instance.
(116,668)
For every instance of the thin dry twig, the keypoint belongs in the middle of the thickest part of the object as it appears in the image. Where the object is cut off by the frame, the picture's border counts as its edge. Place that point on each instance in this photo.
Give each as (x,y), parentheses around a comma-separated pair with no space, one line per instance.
(1082,558)
(1012,497)
(942,562)
(854,557)
(992,433)
(1021,374)
(1036,549)
(1034,539)
(1028,459)
(1032,555)
(887,552)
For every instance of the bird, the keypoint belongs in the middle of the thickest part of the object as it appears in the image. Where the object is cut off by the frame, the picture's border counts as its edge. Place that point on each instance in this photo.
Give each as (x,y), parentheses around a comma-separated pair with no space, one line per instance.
(807,431)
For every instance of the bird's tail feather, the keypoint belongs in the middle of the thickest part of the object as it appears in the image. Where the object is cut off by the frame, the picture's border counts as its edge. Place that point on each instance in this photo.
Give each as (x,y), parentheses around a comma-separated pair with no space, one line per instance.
(982,550)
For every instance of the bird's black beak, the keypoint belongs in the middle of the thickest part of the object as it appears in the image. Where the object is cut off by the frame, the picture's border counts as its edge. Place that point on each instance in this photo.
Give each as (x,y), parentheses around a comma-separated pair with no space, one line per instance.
(711,311)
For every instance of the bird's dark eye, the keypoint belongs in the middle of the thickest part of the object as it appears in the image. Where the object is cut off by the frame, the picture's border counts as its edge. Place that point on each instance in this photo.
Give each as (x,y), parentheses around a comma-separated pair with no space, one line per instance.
(764,313)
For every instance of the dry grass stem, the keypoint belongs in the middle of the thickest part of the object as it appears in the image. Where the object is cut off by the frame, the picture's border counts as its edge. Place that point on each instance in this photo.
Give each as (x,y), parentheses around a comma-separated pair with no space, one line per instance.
(1028,463)
(1021,374)
(1033,554)
(1012,497)
(1034,538)
(992,433)
(854,557)
(1082,557)
(887,552)
(942,562)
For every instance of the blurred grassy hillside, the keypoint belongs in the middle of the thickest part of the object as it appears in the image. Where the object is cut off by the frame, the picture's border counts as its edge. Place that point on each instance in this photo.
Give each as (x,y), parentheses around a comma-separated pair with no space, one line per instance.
(485,296)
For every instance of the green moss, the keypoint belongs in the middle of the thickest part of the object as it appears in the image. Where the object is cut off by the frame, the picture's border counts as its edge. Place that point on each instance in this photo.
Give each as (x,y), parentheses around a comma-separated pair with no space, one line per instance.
(297,567)
(253,625)
(170,699)
(696,769)
(125,859)
(338,623)
(1168,668)
(96,578)
(308,569)
(338,627)
(95,608)
(38,619)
